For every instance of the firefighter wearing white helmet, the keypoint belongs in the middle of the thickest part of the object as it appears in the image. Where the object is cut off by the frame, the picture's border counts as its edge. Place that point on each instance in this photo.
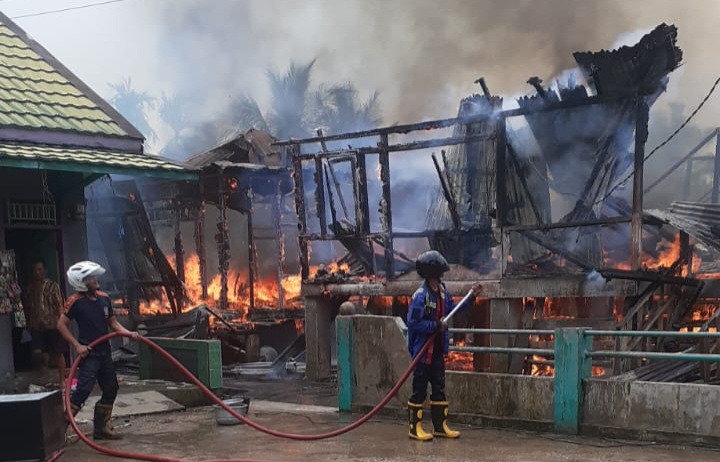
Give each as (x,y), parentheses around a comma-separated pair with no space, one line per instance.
(92,310)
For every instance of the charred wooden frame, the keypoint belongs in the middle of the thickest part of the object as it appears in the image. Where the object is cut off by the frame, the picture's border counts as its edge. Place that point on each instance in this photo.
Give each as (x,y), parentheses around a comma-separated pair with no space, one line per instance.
(301,152)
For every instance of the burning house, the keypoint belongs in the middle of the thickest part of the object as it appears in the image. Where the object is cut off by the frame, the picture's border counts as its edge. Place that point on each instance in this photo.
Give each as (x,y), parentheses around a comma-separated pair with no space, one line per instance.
(542,203)
(217,243)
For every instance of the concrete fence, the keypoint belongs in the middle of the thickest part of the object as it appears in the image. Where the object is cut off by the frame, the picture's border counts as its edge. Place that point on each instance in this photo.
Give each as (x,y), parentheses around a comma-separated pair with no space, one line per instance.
(372,355)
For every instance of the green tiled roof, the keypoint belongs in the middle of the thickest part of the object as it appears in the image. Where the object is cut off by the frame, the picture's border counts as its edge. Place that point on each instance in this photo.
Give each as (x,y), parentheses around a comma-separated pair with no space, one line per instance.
(36,92)
(78,159)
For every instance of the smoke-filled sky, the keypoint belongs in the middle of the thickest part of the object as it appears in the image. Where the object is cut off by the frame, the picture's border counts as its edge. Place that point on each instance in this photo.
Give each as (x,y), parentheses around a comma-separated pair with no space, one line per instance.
(421,55)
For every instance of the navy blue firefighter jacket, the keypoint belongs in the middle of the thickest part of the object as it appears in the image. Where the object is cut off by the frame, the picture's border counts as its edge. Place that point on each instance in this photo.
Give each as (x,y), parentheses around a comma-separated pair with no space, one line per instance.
(421,318)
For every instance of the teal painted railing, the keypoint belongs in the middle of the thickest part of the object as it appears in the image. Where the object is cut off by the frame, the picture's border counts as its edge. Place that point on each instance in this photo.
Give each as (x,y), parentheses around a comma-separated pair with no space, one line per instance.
(572,355)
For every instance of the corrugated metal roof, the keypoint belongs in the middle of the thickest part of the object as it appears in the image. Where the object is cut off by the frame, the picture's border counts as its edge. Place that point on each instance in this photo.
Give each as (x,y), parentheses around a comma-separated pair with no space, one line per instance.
(253,146)
(37,92)
(88,160)
(702,221)
(640,67)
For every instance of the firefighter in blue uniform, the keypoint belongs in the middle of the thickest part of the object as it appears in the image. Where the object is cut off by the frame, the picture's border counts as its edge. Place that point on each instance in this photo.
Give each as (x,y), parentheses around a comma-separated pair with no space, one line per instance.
(429,305)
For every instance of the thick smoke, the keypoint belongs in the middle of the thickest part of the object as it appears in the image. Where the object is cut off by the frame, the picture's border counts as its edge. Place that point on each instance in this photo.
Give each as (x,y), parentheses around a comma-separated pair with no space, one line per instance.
(422,56)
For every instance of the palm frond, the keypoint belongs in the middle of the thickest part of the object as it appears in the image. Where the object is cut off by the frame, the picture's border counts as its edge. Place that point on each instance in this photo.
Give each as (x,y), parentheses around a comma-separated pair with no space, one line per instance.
(245,114)
(290,93)
(133,105)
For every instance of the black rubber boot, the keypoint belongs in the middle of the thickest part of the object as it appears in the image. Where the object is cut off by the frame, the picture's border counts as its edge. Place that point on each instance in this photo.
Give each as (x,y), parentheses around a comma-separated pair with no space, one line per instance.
(439,413)
(74,409)
(416,432)
(103,427)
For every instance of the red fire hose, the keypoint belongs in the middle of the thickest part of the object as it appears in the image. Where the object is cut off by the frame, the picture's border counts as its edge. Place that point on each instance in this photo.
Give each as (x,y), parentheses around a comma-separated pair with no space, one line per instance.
(219,402)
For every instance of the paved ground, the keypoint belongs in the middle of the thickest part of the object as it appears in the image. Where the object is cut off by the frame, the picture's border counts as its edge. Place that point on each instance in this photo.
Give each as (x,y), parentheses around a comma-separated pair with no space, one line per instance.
(194,435)
(292,405)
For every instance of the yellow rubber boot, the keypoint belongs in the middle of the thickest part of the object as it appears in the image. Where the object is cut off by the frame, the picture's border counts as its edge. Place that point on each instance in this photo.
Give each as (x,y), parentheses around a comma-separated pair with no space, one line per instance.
(415,412)
(439,413)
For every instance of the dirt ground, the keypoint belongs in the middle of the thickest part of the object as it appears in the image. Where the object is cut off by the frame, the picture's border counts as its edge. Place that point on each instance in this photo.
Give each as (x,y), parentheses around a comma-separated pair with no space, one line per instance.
(194,435)
(295,405)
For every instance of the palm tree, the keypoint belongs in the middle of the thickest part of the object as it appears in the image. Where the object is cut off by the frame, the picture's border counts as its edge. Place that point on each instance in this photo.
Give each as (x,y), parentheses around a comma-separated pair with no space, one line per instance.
(287,116)
(295,112)
(339,110)
(133,105)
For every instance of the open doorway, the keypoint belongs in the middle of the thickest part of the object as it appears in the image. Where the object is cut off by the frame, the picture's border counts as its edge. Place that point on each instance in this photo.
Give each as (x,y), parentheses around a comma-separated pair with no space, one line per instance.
(31,244)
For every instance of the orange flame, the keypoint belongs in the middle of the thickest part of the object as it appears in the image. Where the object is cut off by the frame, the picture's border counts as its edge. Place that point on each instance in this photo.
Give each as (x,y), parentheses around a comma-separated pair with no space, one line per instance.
(666,257)
(459,360)
(266,290)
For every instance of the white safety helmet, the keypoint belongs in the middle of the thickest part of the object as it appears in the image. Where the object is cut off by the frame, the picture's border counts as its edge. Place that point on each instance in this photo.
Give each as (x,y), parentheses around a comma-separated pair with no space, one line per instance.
(80,271)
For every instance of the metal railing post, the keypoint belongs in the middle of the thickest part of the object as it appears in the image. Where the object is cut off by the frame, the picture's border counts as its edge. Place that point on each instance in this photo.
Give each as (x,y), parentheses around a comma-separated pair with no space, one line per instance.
(571,368)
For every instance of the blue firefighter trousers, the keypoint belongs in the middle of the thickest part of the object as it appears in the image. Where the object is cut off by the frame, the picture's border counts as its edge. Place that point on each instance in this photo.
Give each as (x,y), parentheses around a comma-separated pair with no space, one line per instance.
(98,367)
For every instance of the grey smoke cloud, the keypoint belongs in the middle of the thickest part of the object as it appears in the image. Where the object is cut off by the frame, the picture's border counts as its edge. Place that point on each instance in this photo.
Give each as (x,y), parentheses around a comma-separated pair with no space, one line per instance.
(422,55)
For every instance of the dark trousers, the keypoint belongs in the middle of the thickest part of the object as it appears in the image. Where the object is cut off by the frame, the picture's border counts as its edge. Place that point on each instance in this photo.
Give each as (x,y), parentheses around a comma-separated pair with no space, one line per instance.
(434,373)
(96,367)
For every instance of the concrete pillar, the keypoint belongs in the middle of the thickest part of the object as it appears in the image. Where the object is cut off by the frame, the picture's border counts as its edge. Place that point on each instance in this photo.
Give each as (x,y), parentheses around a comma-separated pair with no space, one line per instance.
(504,314)
(317,337)
(571,368)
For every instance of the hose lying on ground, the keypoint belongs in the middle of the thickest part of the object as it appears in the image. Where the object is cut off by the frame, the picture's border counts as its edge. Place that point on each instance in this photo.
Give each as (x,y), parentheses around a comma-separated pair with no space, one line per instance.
(207,392)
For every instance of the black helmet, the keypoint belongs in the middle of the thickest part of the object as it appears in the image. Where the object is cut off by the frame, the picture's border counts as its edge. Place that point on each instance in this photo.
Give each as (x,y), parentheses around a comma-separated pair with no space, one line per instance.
(431,264)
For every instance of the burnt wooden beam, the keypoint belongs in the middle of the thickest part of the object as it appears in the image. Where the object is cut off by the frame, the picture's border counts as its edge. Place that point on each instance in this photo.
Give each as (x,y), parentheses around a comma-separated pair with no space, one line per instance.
(412,146)
(444,123)
(360,185)
(483,85)
(446,163)
(179,251)
(686,250)
(252,264)
(641,135)
(547,226)
(331,198)
(395,235)
(564,287)
(320,195)
(279,241)
(200,246)
(334,177)
(501,173)
(447,192)
(648,276)
(300,210)
(341,196)
(223,244)
(337,237)
(386,207)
